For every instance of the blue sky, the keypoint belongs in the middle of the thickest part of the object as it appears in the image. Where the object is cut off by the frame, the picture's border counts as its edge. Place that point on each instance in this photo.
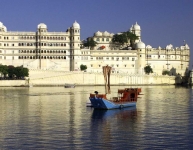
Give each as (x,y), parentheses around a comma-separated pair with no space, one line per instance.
(162,22)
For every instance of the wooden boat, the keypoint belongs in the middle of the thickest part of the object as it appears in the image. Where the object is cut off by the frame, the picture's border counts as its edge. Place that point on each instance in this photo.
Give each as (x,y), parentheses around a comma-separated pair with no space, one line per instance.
(68,85)
(126,98)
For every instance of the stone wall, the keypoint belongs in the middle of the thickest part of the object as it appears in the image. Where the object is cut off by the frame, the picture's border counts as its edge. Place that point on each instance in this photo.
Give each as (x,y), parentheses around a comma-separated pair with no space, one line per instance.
(4,83)
(59,78)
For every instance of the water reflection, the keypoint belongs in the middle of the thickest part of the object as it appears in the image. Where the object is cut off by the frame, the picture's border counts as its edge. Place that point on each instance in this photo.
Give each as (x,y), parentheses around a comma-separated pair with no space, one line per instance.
(125,113)
(57,118)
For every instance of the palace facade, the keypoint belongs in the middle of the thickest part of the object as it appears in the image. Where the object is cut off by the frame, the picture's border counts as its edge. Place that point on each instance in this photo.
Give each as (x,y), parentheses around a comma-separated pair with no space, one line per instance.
(62,51)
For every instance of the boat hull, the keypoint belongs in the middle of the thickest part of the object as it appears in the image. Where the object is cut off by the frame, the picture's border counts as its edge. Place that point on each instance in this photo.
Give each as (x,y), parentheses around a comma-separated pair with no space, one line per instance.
(101,103)
(69,85)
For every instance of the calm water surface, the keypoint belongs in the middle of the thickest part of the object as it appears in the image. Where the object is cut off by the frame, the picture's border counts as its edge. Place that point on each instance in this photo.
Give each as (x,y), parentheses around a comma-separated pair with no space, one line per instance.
(57,118)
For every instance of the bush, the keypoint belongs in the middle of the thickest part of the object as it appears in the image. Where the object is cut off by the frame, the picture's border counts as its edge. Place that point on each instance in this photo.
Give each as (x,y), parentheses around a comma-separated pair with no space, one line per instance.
(148,69)
(165,72)
(83,67)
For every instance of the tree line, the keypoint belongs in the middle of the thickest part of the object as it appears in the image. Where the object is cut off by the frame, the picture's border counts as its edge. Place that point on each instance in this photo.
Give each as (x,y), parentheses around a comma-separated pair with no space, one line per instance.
(12,72)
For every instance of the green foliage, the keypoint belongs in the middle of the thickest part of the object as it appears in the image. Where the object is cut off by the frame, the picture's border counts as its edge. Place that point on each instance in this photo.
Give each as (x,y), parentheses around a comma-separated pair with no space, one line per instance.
(165,72)
(13,72)
(83,67)
(148,69)
(120,38)
(3,70)
(124,38)
(90,43)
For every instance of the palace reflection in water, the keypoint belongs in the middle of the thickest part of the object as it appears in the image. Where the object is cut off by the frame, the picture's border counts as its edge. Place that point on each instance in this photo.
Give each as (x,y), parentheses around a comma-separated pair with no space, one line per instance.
(55,117)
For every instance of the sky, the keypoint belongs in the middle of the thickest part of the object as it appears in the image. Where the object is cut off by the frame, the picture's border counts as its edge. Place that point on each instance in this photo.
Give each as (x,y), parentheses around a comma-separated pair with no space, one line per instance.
(162,22)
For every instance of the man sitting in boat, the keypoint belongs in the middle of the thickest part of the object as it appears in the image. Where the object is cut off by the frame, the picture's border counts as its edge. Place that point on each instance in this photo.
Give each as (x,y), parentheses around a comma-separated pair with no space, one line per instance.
(96,94)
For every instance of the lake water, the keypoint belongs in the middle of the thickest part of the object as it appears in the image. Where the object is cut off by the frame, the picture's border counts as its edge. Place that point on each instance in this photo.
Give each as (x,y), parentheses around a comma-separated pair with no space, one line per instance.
(57,118)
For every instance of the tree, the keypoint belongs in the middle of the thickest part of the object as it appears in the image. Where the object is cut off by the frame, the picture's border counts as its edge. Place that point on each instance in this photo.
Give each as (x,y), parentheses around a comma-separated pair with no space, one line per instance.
(165,72)
(132,37)
(90,43)
(148,69)
(124,37)
(120,38)
(3,70)
(83,67)
(11,72)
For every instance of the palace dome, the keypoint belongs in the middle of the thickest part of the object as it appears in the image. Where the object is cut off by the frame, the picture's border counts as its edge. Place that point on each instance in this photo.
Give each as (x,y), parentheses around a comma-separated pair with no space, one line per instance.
(169,47)
(106,33)
(76,25)
(186,46)
(131,29)
(42,25)
(111,34)
(98,33)
(1,24)
(140,45)
(149,46)
(5,29)
(136,27)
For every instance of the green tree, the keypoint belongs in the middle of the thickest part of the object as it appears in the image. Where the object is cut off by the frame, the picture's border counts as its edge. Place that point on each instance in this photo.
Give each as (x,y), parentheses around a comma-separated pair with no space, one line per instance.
(124,37)
(83,67)
(165,72)
(90,43)
(148,69)
(132,37)
(120,39)
(21,72)
(3,70)
(11,70)
(25,72)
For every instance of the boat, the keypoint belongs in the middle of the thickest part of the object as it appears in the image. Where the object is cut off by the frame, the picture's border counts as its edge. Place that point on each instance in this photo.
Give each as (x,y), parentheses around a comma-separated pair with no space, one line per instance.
(68,85)
(126,97)
(124,113)
(89,104)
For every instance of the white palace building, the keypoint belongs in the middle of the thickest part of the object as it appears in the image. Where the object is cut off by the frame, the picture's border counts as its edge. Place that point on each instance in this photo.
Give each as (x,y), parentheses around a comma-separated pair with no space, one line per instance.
(62,51)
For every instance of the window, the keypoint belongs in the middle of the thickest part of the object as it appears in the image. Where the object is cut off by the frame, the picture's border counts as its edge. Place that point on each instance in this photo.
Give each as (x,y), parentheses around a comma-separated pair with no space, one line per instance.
(102,39)
(133,59)
(97,39)
(91,65)
(107,39)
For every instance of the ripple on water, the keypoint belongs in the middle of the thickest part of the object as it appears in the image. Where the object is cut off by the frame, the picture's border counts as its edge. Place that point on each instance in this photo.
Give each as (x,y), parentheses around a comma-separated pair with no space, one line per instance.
(56,118)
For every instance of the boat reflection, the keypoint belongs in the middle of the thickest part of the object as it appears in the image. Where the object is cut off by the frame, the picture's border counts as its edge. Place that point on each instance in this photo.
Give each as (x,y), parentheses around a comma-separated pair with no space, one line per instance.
(124,113)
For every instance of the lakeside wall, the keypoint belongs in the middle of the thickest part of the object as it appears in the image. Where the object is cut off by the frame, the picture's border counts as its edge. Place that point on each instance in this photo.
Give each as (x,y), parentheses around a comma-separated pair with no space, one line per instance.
(59,78)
